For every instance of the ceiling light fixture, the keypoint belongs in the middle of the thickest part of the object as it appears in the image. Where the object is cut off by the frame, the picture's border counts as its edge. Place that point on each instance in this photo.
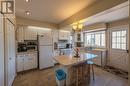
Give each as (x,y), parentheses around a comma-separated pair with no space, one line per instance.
(77,26)
(27,12)
(27,0)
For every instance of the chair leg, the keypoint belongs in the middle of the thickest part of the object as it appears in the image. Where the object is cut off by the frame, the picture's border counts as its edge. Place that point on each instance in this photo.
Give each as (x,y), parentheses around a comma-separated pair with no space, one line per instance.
(93,72)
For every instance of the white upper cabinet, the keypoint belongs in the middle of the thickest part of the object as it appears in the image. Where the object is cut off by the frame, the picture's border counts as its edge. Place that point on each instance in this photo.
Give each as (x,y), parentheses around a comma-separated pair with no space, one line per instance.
(20,34)
(30,34)
(55,35)
(63,35)
(25,33)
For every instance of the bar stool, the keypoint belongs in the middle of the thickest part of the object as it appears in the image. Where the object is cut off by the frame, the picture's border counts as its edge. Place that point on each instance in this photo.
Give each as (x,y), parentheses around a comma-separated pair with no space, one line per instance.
(91,63)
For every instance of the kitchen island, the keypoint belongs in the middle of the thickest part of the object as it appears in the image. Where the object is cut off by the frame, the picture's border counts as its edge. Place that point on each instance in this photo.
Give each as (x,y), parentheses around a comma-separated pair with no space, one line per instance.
(76,68)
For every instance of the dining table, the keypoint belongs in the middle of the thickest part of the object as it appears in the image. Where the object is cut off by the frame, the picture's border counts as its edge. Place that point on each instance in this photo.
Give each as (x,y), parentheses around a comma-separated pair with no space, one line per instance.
(68,62)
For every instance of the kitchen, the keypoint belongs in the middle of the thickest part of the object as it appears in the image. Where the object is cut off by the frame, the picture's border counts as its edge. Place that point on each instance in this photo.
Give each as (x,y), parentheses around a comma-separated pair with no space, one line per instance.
(64,43)
(31,44)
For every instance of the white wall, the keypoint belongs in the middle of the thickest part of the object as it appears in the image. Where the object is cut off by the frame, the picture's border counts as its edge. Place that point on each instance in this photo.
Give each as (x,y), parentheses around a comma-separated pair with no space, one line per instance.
(1,52)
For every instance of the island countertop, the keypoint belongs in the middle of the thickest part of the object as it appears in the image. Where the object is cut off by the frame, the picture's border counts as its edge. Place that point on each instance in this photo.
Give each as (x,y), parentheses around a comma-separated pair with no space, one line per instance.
(67,60)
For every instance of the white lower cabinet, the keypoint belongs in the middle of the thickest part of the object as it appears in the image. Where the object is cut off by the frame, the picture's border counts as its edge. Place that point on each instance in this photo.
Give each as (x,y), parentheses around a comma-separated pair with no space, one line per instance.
(20,63)
(35,60)
(26,62)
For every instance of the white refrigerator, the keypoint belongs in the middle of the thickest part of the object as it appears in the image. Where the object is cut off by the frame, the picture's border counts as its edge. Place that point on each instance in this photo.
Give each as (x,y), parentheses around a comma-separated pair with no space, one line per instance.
(45,50)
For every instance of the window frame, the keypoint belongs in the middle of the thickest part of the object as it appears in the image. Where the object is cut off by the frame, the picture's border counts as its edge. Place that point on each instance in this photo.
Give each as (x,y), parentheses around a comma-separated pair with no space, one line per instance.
(94,33)
(120,37)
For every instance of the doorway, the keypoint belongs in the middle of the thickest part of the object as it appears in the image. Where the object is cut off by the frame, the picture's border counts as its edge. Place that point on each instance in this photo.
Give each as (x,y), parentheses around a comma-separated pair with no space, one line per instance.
(119,47)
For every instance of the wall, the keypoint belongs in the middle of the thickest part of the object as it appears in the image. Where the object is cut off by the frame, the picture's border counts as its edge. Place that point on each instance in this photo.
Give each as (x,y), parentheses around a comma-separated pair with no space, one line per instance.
(118,23)
(1,52)
(29,22)
(96,26)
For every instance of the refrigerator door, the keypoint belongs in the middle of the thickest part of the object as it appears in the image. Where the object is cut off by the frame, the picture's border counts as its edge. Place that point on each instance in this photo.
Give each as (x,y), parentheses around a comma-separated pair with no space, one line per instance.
(45,57)
(45,38)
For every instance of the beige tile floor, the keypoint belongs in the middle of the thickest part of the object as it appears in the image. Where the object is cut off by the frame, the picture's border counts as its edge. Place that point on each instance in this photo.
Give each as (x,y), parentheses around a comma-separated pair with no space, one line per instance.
(47,78)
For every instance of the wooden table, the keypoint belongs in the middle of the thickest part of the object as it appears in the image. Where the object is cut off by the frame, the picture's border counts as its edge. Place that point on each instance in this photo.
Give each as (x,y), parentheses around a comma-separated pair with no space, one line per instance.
(69,60)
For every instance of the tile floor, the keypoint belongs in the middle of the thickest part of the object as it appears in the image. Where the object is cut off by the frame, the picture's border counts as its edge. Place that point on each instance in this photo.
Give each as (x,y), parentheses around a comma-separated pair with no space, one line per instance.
(47,78)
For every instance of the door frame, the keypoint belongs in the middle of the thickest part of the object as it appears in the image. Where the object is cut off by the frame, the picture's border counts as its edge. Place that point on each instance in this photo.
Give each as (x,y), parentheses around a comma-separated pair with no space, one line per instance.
(5,52)
(109,37)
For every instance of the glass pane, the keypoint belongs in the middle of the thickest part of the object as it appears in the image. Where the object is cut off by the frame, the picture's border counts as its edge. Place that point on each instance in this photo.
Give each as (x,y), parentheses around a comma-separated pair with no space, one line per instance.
(118,40)
(97,40)
(113,34)
(123,33)
(103,40)
(88,39)
(93,41)
(118,33)
(123,46)
(123,40)
(118,46)
(113,45)
(114,39)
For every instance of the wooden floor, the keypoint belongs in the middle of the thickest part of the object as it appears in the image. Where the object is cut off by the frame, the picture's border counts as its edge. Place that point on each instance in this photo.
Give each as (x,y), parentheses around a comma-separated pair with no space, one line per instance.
(47,78)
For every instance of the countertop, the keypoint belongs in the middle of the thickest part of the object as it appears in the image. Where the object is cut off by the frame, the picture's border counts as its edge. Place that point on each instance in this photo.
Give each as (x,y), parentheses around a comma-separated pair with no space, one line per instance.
(68,60)
(27,52)
(100,49)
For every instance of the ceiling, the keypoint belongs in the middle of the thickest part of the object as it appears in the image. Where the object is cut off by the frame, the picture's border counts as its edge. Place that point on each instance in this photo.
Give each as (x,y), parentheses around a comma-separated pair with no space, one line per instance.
(53,11)
(113,14)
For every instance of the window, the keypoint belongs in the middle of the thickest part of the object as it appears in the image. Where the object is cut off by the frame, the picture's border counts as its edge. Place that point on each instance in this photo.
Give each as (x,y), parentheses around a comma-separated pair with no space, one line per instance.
(96,39)
(119,39)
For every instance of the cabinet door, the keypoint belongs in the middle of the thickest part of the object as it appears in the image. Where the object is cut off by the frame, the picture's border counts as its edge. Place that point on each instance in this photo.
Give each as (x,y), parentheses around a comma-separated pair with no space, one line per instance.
(26,34)
(30,34)
(35,59)
(66,35)
(63,35)
(20,63)
(28,62)
(55,35)
(20,34)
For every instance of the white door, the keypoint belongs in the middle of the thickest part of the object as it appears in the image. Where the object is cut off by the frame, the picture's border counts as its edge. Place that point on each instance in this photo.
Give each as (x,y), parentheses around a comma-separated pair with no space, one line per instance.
(119,48)
(45,57)
(10,52)
(1,52)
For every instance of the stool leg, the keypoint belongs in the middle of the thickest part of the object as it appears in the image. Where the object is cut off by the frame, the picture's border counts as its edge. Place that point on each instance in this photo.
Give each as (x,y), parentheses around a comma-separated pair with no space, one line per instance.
(77,78)
(93,72)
